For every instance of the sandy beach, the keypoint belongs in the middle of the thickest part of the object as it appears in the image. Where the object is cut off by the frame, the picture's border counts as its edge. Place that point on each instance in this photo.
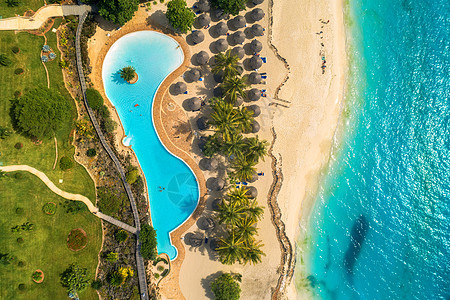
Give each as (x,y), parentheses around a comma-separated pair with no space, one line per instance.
(303,112)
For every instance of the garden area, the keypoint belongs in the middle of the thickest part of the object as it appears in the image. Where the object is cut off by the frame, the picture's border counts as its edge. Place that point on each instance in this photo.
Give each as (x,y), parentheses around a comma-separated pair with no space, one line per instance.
(36,230)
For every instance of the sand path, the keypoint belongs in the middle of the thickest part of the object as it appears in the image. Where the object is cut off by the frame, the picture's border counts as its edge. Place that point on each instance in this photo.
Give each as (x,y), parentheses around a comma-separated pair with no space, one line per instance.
(41,16)
(75,197)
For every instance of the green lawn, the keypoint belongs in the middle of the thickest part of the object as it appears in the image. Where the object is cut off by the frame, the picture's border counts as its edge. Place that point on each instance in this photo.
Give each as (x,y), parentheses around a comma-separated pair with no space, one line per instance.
(40,157)
(6,11)
(44,247)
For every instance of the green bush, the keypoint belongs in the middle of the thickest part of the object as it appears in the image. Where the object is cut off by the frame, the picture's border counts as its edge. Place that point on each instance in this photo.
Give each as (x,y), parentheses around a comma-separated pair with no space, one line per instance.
(18,146)
(96,284)
(74,278)
(18,175)
(74,207)
(91,152)
(18,71)
(5,60)
(22,287)
(156,275)
(148,240)
(108,202)
(17,94)
(165,272)
(37,276)
(15,49)
(49,208)
(20,240)
(226,287)
(115,279)
(112,256)
(121,236)
(94,98)
(109,125)
(117,11)
(104,112)
(180,16)
(21,264)
(65,163)
(132,175)
(160,268)
(12,3)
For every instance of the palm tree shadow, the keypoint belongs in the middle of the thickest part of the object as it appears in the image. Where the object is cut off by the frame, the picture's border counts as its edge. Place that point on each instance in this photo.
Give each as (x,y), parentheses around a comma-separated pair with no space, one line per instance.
(117,79)
(184,128)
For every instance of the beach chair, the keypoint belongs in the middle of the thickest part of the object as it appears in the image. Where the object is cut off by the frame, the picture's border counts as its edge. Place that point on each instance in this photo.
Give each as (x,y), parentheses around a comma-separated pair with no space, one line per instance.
(264,76)
(264,59)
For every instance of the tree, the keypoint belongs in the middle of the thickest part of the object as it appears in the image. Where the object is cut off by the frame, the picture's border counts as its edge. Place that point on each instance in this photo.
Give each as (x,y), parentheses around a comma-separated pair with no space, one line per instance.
(233,87)
(74,278)
(225,119)
(231,249)
(230,6)
(243,168)
(127,73)
(180,16)
(5,60)
(226,287)
(245,118)
(255,149)
(253,253)
(234,146)
(91,152)
(230,213)
(96,284)
(65,163)
(121,236)
(12,3)
(148,240)
(40,112)
(132,175)
(246,228)
(115,279)
(254,212)
(118,11)
(227,63)
(95,100)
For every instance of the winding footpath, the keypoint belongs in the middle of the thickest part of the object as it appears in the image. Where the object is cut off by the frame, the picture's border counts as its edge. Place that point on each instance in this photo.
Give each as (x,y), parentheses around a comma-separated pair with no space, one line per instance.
(75,197)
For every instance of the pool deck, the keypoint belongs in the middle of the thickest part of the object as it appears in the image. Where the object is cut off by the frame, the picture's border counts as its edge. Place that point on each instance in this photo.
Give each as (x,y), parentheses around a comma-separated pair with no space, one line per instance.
(138,23)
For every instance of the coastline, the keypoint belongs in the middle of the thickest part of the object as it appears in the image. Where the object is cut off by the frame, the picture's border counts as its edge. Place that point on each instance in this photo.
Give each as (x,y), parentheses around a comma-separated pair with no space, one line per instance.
(306,131)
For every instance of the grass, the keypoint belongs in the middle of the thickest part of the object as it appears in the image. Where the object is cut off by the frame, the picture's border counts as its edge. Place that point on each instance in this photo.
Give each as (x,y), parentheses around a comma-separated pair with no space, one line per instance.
(42,157)
(6,11)
(45,247)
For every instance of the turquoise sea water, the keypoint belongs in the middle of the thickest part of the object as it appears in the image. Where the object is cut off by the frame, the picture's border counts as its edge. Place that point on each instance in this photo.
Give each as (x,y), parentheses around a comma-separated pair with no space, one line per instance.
(380,228)
(172,186)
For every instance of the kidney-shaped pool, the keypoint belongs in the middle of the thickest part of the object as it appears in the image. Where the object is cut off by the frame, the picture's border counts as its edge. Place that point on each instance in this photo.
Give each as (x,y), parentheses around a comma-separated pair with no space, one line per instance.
(172,186)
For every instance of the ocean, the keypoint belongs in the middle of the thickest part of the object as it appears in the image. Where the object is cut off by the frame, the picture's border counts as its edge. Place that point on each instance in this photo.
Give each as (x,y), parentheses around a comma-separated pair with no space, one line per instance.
(380,227)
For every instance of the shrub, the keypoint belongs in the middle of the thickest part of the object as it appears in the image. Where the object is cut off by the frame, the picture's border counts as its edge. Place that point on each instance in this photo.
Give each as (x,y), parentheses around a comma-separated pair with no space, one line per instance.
(74,207)
(4,132)
(74,278)
(104,112)
(160,268)
(121,236)
(156,275)
(20,240)
(12,3)
(226,287)
(37,276)
(18,175)
(108,202)
(95,100)
(18,71)
(230,6)
(96,284)
(179,15)
(148,239)
(132,175)
(49,208)
(17,94)
(91,152)
(115,279)
(19,210)
(5,60)
(165,272)
(112,256)
(65,163)
(77,239)
(109,125)
(18,146)
(21,264)
(22,287)
(15,49)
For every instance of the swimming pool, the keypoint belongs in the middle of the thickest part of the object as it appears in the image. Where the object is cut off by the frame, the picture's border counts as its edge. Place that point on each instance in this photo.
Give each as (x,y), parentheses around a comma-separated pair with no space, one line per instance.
(172,186)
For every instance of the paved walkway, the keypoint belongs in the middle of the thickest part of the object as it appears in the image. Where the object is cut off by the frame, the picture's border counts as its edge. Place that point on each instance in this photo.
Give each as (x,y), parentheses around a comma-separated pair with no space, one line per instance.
(41,16)
(76,197)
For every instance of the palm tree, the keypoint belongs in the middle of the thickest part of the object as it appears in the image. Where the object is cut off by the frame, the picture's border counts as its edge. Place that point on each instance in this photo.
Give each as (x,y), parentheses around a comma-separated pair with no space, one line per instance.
(245,118)
(230,213)
(253,253)
(127,73)
(234,146)
(243,168)
(231,249)
(238,195)
(225,119)
(255,148)
(233,87)
(246,229)
(253,211)
(226,62)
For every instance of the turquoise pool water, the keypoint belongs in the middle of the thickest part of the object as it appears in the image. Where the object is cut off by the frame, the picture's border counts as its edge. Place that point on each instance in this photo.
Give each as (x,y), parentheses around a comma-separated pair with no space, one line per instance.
(392,164)
(154,56)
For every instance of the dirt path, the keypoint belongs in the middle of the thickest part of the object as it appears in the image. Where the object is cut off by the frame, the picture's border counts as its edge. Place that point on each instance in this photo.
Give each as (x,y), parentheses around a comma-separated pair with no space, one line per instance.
(56,152)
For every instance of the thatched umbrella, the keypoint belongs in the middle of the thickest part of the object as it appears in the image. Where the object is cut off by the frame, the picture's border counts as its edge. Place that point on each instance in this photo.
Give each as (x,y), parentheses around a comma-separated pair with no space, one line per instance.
(212,164)
(254,177)
(196,241)
(216,203)
(208,224)
(255,62)
(219,77)
(203,6)
(193,104)
(197,36)
(203,123)
(203,20)
(255,126)
(201,143)
(239,101)
(238,51)
(238,22)
(257,30)
(254,78)
(221,45)
(220,14)
(256,110)
(192,75)
(218,92)
(215,184)
(256,2)
(202,57)
(180,87)
(253,94)
(238,37)
(221,28)
(257,14)
(256,46)
(252,192)
(240,67)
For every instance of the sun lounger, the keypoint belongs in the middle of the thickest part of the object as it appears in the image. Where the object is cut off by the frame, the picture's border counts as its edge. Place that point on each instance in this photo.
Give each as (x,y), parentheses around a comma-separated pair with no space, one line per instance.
(264,76)
(264,59)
